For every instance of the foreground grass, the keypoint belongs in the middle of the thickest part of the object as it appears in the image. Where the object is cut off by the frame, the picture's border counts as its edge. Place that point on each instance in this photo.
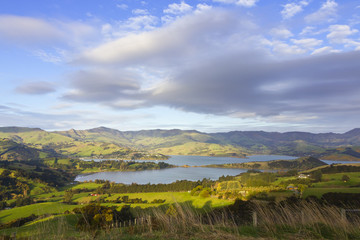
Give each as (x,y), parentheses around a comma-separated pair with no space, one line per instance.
(306,220)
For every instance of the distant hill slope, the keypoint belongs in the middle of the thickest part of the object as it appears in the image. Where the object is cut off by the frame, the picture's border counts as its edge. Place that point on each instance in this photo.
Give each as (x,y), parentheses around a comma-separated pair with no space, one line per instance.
(300,164)
(60,144)
(94,141)
(235,143)
(10,150)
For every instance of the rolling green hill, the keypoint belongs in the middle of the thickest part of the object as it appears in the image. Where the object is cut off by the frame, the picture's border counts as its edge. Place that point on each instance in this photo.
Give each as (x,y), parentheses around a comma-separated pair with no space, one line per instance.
(58,144)
(104,141)
(10,150)
(300,164)
(236,143)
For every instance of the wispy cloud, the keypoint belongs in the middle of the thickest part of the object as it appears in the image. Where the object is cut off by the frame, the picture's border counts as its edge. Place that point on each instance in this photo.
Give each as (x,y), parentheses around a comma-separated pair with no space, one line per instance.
(291,9)
(27,30)
(244,3)
(176,8)
(326,13)
(36,88)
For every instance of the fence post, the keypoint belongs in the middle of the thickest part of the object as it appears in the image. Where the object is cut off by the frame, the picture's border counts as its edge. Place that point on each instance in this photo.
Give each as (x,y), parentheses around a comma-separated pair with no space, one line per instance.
(255,220)
(343,214)
(302,217)
(150,223)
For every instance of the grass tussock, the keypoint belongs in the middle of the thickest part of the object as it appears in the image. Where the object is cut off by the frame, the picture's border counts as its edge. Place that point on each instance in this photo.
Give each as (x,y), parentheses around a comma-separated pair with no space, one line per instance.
(308,219)
(300,220)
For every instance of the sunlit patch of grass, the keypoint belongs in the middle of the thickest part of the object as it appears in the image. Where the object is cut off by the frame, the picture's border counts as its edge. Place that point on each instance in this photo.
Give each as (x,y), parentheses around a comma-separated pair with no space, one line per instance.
(37,209)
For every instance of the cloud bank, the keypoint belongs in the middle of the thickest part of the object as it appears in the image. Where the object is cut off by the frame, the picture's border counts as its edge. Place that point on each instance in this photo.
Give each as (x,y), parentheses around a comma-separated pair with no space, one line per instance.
(216,62)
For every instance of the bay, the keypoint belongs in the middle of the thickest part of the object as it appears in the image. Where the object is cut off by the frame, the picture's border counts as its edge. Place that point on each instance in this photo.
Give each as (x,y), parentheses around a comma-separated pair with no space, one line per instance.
(192,173)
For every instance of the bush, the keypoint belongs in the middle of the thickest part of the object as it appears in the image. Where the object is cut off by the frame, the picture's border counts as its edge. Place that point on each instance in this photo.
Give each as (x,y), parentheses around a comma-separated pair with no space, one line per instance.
(204,193)
(94,216)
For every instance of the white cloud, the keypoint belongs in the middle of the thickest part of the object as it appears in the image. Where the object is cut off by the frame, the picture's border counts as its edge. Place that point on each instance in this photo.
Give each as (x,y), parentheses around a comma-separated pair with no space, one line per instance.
(283,49)
(142,22)
(324,50)
(202,7)
(308,30)
(281,32)
(140,11)
(291,9)
(56,56)
(166,19)
(326,13)
(40,33)
(177,9)
(122,6)
(188,35)
(307,43)
(244,3)
(339,33)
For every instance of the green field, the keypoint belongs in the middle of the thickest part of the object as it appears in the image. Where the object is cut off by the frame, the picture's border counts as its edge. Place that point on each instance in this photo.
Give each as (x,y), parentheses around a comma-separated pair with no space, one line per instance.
(334,180)
(37,209)
(170,197)
(318,192)
(62,226)
(54,200)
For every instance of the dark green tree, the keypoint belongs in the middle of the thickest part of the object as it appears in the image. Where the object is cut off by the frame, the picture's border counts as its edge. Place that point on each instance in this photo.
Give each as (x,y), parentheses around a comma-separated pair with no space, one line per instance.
(68,196)
(345,178)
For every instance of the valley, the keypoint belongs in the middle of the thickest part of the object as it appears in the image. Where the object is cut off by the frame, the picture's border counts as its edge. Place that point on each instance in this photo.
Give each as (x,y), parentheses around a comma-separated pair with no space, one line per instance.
(103,183)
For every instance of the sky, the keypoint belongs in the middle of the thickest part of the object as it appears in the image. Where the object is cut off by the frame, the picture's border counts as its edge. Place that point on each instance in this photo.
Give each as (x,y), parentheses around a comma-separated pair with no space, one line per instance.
(208,65)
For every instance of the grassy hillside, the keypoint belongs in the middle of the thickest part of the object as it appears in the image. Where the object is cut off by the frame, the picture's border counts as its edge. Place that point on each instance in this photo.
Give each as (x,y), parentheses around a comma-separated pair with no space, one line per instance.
(106,141)
(203,149)
(10,150)
(52,144)
(235,143)
(300,164)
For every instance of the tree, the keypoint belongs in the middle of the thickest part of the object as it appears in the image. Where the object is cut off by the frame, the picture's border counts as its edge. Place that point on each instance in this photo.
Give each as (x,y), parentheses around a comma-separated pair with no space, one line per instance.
(68,196)
(345,178)
(204,193)
(301,188)
(317,175)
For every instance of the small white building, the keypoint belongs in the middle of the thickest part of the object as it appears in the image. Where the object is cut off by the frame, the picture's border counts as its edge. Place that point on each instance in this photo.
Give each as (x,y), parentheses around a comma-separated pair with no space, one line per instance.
(303,176)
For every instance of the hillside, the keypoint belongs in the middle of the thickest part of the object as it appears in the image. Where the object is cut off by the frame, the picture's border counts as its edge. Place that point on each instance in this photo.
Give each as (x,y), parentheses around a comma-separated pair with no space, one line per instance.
(299,164)
(236,143)
(56,144)
(10,150)
(104,141)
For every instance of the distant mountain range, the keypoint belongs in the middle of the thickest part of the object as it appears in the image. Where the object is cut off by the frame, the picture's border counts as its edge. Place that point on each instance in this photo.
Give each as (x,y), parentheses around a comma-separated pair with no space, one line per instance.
(105,141)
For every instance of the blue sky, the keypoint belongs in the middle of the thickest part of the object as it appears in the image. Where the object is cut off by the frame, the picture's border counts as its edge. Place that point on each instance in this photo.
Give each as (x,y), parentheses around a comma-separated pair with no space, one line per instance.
(210,65)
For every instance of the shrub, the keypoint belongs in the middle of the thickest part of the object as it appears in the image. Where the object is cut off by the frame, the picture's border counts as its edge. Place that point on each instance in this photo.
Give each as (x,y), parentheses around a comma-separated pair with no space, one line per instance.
(94,216)
(204,193)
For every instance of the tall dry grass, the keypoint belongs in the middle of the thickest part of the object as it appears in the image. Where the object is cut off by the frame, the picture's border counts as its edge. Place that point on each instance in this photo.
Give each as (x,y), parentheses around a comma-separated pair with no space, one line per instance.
(309,217)
(303,220)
